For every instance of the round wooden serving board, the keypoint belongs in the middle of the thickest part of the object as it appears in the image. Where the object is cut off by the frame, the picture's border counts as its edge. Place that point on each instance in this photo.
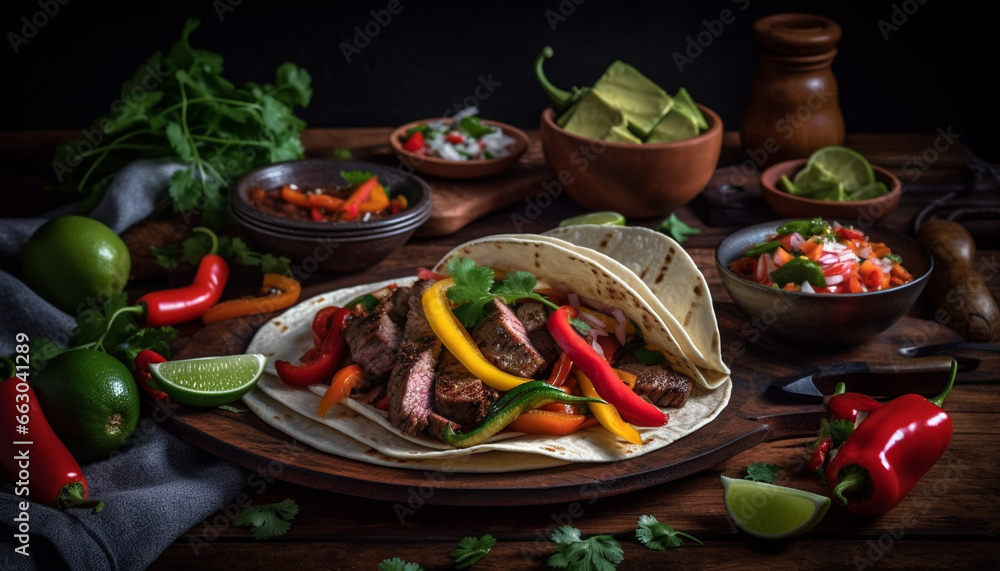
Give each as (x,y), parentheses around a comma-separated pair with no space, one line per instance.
(751,418)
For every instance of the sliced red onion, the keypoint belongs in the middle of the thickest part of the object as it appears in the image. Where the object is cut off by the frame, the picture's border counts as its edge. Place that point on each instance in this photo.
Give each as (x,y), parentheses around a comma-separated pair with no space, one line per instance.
(834,279)
(592,320)
(597,347)
(807,287)
(796,240)
(622,320)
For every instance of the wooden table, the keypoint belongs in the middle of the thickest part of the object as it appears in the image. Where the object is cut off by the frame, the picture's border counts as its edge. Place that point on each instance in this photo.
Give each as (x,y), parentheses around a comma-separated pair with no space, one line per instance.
(949,520)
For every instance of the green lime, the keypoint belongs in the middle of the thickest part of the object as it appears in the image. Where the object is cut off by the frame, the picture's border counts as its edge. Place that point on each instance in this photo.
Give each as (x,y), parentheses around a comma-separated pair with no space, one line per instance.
(772,512)
(90,400)
(209,381)
(873,190)
(603,218)
(814,173)
(845,165)
(74,262)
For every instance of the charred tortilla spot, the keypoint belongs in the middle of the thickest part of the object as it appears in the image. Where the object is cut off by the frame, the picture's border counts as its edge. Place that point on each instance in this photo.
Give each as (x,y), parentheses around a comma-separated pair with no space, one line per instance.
(687,318)
(660,276)
(604,242)
(697,290)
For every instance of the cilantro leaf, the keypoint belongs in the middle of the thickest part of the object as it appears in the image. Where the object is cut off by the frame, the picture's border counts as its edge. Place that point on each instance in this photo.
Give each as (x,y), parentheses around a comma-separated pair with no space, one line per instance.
(659,536)
(473,126)
(677,229)
(397,564)
(471,549)
(600,552)
(193,248)
(762,472)
(270,520)
(838,430)
(356,177)
(475,286)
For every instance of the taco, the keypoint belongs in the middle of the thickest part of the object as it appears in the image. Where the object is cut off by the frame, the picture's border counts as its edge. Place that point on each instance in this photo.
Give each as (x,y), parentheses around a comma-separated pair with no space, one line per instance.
(421,398)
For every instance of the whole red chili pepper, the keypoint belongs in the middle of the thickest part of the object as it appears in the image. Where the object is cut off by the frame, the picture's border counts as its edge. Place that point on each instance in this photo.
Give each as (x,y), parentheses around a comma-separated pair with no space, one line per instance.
(325,363)
(34,459)
(632,408)
(846,406)
(173,306)
(141,372)
(888,453)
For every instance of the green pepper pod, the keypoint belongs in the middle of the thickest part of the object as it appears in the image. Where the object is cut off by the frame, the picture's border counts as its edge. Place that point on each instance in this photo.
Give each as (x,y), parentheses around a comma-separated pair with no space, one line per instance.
(798,270)
(526,397)
(763,248)
(561,99)
(806,228)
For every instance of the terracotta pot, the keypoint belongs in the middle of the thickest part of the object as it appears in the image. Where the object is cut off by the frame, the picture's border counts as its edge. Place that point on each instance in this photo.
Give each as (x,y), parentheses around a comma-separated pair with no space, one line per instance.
(793,106)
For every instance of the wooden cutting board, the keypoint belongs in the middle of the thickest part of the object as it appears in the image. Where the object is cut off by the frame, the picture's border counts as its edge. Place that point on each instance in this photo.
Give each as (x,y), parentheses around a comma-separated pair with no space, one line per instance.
(749,419)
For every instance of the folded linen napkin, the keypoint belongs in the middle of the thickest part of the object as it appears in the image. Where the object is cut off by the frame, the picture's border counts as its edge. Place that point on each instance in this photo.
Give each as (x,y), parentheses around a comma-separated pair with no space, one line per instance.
(157,486)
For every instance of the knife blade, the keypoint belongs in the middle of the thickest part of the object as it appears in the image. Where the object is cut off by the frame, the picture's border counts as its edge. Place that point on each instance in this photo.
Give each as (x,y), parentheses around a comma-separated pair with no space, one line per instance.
(963,347)
(875,378)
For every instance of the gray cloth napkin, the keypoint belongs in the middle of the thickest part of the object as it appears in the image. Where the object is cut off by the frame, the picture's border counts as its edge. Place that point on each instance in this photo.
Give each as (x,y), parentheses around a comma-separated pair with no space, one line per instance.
(156,487)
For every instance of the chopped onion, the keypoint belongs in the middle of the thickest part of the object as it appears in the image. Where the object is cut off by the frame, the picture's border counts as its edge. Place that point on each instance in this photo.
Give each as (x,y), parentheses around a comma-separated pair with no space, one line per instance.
(622,320)
(796,240)
(834,279)
(597,347)
(592,320)
(807,287)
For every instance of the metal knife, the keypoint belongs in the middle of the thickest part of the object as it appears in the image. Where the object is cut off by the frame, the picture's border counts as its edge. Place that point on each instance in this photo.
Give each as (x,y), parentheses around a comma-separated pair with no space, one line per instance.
(957,347)
(874,378)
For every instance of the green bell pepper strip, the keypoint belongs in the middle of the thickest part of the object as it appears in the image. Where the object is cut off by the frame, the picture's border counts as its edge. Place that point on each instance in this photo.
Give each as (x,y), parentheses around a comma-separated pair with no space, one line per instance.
(798,270)
(806,228)
(525,397)
(763,248)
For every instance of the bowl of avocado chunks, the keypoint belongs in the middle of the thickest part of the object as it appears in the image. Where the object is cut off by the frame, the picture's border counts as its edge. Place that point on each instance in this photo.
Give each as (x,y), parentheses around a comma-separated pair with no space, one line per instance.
(625,144)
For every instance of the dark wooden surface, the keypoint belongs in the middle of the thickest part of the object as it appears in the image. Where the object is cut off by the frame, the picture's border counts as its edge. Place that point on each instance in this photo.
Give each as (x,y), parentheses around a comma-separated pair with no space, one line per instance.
(949,520)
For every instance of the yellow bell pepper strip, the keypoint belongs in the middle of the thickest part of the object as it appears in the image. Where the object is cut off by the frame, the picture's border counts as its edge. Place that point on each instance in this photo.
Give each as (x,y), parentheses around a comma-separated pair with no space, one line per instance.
(630,405)
(454,336)
(606,414)
(541,421)
(377,202)
(277,292)
(525,397)
(340,388)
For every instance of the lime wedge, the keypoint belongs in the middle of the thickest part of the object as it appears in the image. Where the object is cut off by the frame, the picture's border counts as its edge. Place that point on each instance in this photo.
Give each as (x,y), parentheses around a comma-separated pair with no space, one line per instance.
(814,173)
(603,218)
(772,512)
(209,381)
(822,190)
(844,165)
(873,190)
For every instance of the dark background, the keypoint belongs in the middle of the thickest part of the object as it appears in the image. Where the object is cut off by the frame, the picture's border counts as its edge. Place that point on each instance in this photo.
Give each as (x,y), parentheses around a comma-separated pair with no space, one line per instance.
(934,72)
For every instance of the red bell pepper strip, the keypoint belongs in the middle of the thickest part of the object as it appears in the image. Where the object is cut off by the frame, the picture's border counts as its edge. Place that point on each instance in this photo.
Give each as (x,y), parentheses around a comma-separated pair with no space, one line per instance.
(34,459)
(141,372)
(326,363)
(889,451)
(630,405)
(352,206)
(173,306)
(322,323)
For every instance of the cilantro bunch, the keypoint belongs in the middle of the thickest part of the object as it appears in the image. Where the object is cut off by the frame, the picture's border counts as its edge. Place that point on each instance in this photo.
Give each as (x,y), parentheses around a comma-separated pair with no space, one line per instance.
(178,107)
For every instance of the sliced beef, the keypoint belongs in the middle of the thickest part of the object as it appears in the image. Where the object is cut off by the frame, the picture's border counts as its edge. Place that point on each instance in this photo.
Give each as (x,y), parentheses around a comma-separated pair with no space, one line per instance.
(458,394)
(503,340)
(535,319)
(374,339)
(659,383)
(411,384)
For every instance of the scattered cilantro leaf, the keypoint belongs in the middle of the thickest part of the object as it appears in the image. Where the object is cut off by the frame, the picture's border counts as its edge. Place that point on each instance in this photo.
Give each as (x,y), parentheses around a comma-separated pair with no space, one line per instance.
(838,430)
(231,408)
(471,549)
(677,229)
(342,154)
(658,536)
(269,520)
(473,126)
(397,564)
(762,472)
(598,553)
(356,177)
(475,286)
(193,248)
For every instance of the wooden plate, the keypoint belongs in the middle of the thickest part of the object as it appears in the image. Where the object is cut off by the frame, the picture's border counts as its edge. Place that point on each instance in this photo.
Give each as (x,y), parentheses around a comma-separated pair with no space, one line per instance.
(751,418)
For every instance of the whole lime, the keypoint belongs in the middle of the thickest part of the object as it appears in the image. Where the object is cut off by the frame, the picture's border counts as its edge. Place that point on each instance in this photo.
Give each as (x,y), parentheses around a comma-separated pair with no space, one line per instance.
(90,400)
(75,262)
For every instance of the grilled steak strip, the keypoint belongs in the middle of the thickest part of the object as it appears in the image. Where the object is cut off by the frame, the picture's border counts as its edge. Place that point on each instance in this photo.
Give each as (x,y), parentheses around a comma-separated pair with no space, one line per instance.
(374,339)
(535,318)
(659,383)
(411,383)
(504,342)
(458,394)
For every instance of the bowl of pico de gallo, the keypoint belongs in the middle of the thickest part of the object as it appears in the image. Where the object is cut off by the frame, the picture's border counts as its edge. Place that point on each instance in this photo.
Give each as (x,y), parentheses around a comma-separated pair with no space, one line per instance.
(463,146)
(822,283)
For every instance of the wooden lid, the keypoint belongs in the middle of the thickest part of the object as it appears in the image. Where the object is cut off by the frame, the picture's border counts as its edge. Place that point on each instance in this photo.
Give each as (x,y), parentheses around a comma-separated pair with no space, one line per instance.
(796,34)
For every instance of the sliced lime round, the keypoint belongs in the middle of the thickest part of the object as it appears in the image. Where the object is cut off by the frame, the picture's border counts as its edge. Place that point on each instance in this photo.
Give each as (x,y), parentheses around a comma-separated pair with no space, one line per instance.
(845,165)
(603,217)
(209,381)
(772,512)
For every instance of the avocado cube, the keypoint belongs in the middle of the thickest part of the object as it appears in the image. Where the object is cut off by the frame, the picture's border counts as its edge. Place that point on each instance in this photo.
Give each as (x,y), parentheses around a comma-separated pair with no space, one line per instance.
(593,117)
(676,125)
(621,134)
(641,101)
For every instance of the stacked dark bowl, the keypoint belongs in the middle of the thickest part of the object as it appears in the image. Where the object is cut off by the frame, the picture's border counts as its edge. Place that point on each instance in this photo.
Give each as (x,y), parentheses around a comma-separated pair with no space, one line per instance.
(329,247)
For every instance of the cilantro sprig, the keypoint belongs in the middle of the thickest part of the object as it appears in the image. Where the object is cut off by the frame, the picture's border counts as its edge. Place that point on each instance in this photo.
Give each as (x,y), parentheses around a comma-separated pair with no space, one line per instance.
(475,286)
(658,536)
(398,564)
(762,472)
(193,248)
(471,549)
(599,552)
(269,520)
(677,228)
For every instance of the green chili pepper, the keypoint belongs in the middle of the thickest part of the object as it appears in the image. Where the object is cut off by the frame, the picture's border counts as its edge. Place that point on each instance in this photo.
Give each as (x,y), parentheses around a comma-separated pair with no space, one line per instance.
(806,228)
(518,400)
(561,99)
(798,270)
(364,303)
(763,248)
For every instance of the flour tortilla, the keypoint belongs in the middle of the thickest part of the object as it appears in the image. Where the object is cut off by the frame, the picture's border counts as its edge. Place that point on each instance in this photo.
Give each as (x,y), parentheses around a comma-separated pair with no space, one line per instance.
(666,276)
(288,336)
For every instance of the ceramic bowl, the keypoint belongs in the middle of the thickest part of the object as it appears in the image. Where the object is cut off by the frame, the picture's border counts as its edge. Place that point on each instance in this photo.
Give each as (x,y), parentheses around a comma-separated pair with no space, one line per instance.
(637,180)
(823,320)
(863,212)
(445,168)
(328,247)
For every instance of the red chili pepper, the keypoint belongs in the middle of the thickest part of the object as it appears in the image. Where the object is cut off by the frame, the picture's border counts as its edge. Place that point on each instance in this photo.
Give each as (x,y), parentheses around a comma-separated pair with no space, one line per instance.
(630,406)
(326,363)
(846,406)
(888,453)
(173,306)
(34,459)
(818,456)
(316,214)
(141,372)
(415,143)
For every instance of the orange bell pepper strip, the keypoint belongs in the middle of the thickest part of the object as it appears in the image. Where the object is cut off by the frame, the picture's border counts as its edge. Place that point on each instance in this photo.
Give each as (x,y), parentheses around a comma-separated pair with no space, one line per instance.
(325,201)
(606,414)
(377,202)
(812,249)
(277,292)
(539,421)
(352,206)
(294,196)
(343,381)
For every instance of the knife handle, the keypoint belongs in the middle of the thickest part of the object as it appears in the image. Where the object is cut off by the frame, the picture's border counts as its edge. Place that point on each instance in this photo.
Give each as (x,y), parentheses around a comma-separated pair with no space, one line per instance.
(916,365)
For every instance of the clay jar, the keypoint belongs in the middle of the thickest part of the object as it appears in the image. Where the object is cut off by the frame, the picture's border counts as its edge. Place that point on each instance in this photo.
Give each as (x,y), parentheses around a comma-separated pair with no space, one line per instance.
(793,107)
